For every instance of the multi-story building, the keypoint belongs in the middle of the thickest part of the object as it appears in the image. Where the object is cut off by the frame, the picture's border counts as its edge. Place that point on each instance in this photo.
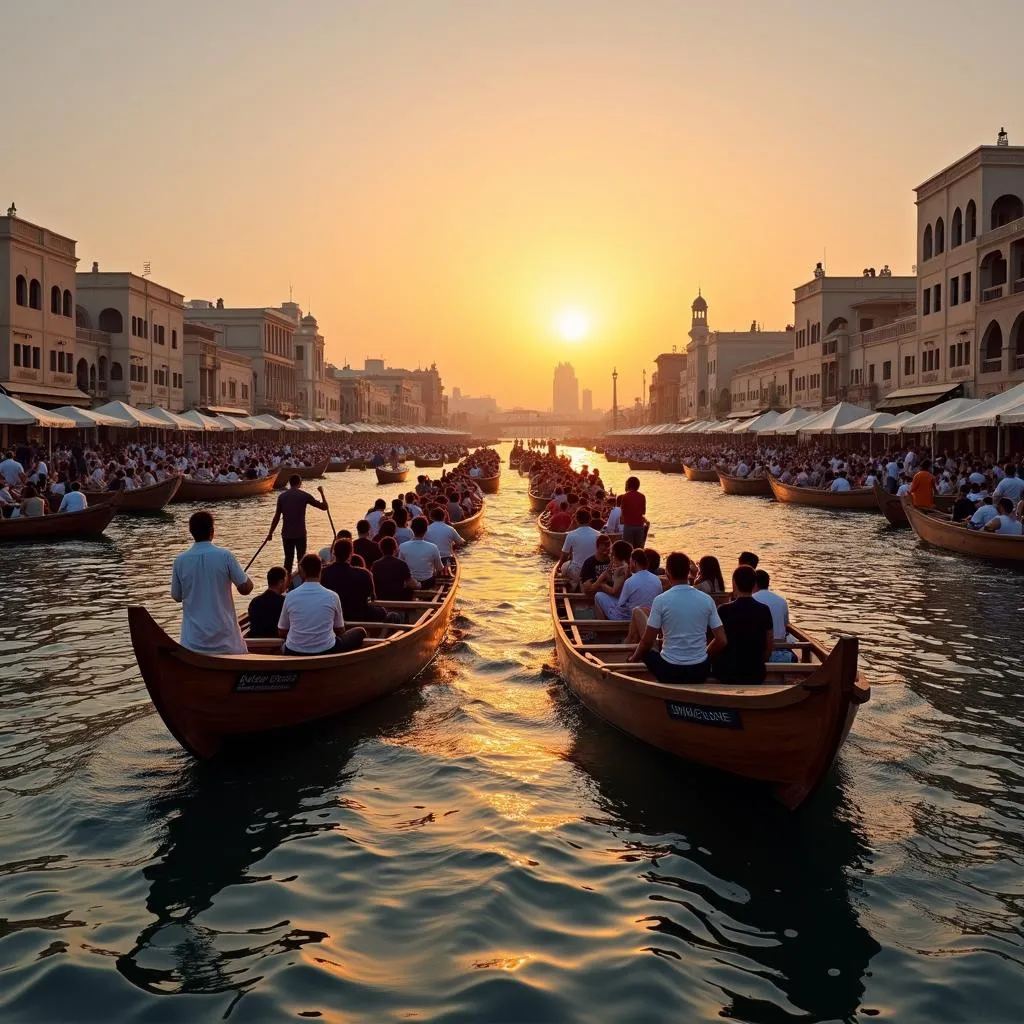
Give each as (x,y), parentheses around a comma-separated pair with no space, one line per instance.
(404,389)
(565,392)
(318,394)
(266,337)
(666,385)
(587,401)
(144,324)
(712,357)
(40,360)
(217,379)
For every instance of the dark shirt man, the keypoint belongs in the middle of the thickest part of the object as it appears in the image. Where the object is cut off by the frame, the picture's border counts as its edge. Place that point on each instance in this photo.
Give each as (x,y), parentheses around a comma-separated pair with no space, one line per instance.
(265,609)
(291,507)
(749,632)
(391,576)
(351,583)
(364,545)
(963,507)
(595,565)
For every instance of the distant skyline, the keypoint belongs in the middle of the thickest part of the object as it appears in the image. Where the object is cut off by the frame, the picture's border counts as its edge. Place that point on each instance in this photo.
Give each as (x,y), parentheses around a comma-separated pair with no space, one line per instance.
(499,187)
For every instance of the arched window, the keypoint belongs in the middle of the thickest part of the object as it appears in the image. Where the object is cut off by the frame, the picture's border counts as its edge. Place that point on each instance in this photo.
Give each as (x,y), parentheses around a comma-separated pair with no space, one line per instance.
(956,229)
(103,369)
(1017,342)
(21,291)
(940,237)
(68,304)
(926,247)
(992,348)
(839,324)
(116,373)
(82,375)
(111,321)
(135,326)
(35,294)
(55,300)
(700,400)
(92,377)
(1005,209)
(82,318)
(970,222)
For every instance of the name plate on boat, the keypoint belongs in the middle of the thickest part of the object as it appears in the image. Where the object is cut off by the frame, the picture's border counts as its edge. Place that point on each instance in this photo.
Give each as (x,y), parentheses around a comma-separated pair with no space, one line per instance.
(704,714)
(265,682)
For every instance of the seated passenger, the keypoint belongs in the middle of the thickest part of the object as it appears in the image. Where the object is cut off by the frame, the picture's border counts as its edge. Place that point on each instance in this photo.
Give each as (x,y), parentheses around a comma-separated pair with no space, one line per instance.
(265,608)
(1005,523)
(311,621)
(749,633)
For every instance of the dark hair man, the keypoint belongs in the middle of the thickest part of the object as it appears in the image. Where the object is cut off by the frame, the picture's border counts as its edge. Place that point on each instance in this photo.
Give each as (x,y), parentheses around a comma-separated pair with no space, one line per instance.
(265,608)
(311,620)
(392,580)
(291,506)
(749,632)
(364,544)
(633,507)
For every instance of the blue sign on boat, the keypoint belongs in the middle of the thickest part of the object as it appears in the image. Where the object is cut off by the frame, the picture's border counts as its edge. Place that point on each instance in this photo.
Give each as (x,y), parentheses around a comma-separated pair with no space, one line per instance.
(704,714)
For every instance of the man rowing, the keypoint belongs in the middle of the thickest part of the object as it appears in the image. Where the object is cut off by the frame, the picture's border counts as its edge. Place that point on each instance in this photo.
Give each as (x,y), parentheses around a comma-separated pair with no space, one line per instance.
(291,507)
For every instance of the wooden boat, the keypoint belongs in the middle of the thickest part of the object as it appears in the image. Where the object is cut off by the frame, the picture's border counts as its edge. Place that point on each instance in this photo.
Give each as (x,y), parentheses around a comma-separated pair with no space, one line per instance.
(551,541)
(538,503)
(357,464)
(90,522)
(142,499)
(744,484)
(936,529)
(471,527)
(208,700)
(196,490)
(704,476)
(639,464)
(285,473)
(490,484)
(892,507)
(336,467)
(860,499)
(670,467)
(386,475)
(785,732)
(435,463)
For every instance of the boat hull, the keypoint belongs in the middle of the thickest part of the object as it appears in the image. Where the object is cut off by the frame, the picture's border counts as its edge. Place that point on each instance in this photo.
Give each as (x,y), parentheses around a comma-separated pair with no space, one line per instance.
(551,541)
(786,734)
(489,484)
(392,476)
(859,499)
(942,533)
(208,700)
(90,522)
(429,463)
(336,467)
(744,484)
(704,476)
(471,528)
(142,499)
(892,507)
(196,490)
(285,473)
(538,503)
(671,467)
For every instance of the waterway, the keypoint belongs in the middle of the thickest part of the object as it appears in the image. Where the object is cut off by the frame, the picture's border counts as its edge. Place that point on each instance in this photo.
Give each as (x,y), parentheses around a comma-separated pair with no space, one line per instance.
(477,847)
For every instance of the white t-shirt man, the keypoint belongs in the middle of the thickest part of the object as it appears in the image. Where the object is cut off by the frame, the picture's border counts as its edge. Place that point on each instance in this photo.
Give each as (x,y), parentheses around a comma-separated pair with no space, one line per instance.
(684,616)
(984,515)
(1008,526)
(443,536)
(614,524)
(422,557)
(840,484)
(639,591)
(311,614)
(11,470)
(374,518)
(73,501)
(779,608)
(580,544)
(1011,487)
(201,579)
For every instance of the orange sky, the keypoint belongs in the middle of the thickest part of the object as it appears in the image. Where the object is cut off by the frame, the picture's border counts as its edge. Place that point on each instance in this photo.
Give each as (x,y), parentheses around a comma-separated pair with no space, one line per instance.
(437,180)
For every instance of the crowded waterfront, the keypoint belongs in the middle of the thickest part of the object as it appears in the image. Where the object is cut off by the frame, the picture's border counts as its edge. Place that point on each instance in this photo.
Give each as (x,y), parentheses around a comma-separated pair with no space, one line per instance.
(539,863)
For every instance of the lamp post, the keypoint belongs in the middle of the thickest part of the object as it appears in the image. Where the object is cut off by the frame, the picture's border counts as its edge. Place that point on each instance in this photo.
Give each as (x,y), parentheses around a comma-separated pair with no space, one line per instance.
(615,399)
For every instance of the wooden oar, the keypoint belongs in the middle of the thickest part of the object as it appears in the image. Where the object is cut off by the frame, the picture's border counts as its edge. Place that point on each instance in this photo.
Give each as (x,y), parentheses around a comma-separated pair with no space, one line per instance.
(257,555)
(334,532)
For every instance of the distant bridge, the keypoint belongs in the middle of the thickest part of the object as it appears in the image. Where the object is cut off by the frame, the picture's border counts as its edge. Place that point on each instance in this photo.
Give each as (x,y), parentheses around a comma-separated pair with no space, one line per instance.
(534,424)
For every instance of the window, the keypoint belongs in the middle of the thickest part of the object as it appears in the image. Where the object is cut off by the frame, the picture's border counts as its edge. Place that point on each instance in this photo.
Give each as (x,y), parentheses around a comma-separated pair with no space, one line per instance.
(954,291)
(926,301)
(174,339)
(231,389)
(871,373)
(37,354)
(967,288)
(132,372)
(970,222)
(116,373)
(937,292)
(223,389)
(160,331)
(887,370)
(926,244)
(956,229)
(245,391)
(111,321)
(145,328)
(135,327)
(17,355)
(298,354)
(21,291)
(930,360)
(55,300)
(53,360)
(867,322)
(940,237)
(908,365)
(68,304)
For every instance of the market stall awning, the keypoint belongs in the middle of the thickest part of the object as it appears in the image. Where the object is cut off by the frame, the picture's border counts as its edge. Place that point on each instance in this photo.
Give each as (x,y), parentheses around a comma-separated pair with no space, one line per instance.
(873,423)
(44,394)
(87,418)
(786,419)
(226,410)
(231,423)
(129,416)
(173,420)
(923,394)
(923,422)
(826,422)
(1001,408)
(16,413)
(202,422)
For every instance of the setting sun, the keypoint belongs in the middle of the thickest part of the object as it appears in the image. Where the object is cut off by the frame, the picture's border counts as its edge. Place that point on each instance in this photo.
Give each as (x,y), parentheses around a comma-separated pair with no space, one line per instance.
(573,325)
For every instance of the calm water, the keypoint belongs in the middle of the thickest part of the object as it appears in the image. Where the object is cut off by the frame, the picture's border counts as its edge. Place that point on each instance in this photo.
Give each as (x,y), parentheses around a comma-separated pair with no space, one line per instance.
(477,848)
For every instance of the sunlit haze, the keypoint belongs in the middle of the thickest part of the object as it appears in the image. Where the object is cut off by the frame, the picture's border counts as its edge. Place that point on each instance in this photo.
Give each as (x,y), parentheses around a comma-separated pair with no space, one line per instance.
(435,181)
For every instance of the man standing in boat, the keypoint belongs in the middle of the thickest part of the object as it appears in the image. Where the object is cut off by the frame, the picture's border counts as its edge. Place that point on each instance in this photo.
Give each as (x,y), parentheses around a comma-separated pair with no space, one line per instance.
(291,507)
(201,582)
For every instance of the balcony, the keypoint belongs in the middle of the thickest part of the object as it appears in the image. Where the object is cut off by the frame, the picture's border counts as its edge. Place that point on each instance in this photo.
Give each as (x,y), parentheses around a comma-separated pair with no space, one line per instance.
(991,365)
(890,332)
(1018,363)
(992,293)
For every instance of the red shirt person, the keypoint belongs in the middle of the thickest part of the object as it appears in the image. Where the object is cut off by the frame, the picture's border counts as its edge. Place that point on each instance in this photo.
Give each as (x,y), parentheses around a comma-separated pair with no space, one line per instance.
(634,509)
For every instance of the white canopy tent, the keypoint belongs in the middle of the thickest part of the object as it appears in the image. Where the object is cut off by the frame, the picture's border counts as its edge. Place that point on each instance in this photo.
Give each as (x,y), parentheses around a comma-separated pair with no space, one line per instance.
(828,421)
(173,420)
(201,422)
(924,422)
(766,419)
(786,419)
(129,416)
(86,418)
(1005,407)
(16,413)
(226,422)
(873,423)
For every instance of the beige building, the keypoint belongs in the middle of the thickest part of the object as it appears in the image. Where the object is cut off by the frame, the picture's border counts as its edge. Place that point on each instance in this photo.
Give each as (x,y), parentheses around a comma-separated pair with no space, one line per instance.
(403,388)
(217,379)
(144,325)
(666,387)
(318,394)
(266,337)
(40,361)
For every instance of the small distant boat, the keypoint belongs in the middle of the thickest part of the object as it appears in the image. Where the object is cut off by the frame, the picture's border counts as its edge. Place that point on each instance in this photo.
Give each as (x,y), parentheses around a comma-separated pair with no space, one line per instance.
(891,506)
(704,476)
(143,499)
(435,463)
(392,476)
(196,490)
(641,464)
(936,529)
(336,467)
(489,484)
(744,484)
(859,499)
(551,541)
(206,700)
(357,464)
(471,527)
(785,732)
(538,503)
(90,522)
(670,467)
(285,473)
